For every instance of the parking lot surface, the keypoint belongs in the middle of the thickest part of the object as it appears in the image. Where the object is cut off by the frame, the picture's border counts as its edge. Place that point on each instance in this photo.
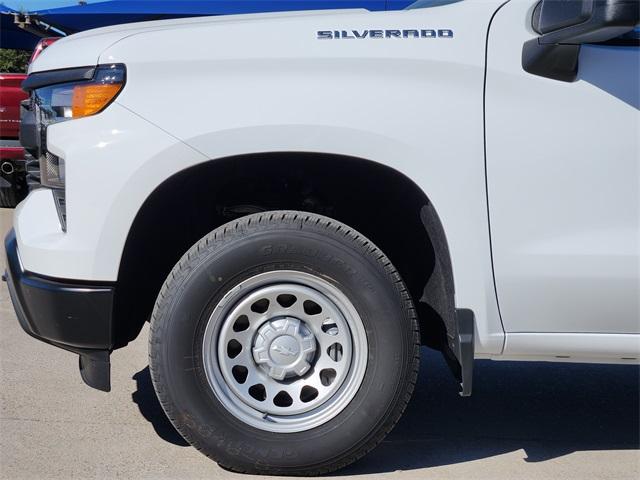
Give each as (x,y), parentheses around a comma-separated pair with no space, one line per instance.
(524,420)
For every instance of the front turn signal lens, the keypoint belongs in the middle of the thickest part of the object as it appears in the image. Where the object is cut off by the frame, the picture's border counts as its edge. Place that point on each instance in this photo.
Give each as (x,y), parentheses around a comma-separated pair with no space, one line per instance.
(92,98)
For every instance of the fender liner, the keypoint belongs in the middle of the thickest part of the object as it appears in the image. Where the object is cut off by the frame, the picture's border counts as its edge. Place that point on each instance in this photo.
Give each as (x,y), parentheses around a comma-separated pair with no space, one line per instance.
(439,294)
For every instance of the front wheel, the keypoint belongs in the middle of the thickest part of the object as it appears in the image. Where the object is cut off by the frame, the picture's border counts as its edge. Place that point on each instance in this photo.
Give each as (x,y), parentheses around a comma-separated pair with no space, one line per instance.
(284,343)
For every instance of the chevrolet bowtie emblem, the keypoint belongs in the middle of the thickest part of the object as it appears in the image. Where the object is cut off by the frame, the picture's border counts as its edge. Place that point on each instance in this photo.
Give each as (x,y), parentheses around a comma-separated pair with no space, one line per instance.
(282,350)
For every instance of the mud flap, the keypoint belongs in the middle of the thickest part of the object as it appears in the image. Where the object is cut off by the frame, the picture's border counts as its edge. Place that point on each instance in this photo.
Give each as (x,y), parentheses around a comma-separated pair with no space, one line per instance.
(95,370)
(466,335)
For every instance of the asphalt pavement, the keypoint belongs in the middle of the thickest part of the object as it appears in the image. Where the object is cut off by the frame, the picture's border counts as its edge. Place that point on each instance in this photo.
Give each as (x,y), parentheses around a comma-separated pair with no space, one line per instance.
(524,420)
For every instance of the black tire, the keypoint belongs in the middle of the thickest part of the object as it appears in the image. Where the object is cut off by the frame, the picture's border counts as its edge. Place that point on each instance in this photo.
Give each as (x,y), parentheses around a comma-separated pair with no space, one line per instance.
(283,240)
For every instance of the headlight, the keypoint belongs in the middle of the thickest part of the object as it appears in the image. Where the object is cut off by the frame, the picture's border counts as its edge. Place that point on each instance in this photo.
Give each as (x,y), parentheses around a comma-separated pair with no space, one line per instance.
(64,101)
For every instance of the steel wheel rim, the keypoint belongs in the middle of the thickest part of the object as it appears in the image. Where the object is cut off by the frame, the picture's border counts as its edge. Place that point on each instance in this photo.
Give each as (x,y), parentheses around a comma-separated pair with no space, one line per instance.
(308,341)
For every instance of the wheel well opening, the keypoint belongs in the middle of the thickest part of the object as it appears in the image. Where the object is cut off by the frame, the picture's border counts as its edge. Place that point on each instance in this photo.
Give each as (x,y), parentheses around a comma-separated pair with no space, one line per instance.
(376,200)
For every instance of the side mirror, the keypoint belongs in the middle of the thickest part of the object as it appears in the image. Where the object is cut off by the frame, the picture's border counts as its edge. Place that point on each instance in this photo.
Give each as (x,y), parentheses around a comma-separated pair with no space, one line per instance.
(564,25)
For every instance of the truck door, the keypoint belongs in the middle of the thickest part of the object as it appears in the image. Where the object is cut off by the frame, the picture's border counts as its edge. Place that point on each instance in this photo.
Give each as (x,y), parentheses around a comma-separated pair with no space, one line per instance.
(563,175)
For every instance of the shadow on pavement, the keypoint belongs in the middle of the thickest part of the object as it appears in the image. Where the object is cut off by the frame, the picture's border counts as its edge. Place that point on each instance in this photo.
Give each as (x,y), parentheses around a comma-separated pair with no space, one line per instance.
(149,405)
(546,409)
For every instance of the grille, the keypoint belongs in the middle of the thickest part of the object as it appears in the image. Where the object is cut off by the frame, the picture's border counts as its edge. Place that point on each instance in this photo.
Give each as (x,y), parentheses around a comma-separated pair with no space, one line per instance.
(51,171)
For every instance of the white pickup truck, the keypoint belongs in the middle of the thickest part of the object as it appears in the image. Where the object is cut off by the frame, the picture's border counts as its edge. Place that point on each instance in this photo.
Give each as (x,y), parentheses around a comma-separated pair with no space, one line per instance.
(298,201)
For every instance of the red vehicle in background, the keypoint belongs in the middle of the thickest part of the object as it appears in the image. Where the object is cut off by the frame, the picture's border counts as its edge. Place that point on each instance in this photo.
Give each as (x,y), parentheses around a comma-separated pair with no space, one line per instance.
(13,170)
(12,95)
(13,185)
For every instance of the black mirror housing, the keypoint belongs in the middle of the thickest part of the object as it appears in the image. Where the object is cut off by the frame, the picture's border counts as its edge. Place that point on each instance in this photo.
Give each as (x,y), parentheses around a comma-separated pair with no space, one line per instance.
(553,16)
(564,25)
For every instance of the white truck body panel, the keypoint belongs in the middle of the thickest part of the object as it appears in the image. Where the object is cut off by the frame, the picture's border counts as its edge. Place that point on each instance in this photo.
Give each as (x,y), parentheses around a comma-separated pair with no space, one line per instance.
(113,162)
(572,347)
(563,172)
(414,104)
(84,48)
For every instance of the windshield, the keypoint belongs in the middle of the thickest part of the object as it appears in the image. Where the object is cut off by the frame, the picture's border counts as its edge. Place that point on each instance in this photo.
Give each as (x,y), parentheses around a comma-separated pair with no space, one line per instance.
(430,3)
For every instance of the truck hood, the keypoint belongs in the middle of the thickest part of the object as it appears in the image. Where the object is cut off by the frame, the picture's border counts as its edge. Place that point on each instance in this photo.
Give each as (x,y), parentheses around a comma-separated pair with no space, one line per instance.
(84,49)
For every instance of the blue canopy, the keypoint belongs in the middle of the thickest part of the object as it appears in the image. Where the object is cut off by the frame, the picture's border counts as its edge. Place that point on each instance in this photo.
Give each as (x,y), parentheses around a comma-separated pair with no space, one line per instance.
(93,15)
(12,36)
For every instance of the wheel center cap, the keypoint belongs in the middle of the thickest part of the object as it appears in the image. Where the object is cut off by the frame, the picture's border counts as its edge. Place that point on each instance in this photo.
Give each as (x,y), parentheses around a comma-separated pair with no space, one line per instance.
(284,348)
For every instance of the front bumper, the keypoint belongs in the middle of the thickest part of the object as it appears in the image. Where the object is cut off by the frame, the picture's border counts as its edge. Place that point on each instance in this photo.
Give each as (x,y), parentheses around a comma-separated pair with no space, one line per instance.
(74,316)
